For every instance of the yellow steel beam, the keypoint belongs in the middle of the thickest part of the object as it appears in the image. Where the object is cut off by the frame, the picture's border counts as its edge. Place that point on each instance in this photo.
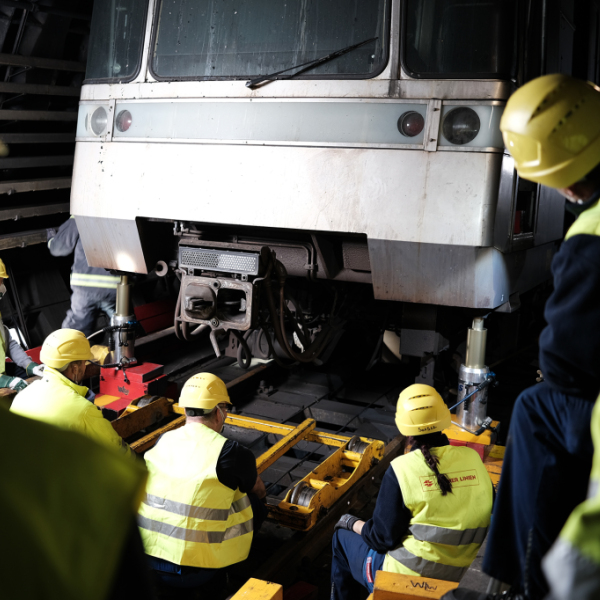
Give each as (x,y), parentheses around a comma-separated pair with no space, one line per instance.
(284,444)
(256,589)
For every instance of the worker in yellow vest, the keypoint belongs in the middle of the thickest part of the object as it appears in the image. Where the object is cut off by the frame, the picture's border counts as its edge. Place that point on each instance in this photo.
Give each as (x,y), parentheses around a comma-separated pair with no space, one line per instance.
(432,512)
(204,497)
(59,399)
(68,528)
(12,375)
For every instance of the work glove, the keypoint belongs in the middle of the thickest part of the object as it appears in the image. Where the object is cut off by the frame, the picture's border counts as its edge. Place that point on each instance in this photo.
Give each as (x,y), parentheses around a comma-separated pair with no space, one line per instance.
(34,369)
(90,396)
(346,522)
(13,383)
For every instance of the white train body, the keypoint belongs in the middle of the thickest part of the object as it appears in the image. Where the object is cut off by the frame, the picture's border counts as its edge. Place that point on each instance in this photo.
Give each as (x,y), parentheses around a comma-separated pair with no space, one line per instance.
(441,223)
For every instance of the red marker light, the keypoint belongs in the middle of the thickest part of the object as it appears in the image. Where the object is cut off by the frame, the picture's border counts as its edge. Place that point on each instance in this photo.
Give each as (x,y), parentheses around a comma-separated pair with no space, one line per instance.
(124,120)
(411,123)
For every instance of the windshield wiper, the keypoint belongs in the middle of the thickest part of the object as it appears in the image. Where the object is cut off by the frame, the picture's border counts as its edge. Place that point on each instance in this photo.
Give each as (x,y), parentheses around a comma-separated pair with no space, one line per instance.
(307,65)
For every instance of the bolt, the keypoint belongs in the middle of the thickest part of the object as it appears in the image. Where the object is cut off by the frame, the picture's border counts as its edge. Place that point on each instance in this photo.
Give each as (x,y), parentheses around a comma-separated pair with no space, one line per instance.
(214,322)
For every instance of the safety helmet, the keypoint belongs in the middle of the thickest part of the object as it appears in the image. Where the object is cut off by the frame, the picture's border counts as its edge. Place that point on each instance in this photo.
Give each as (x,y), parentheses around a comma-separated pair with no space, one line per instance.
(203,390)
(3,273)
(64,346)
(421,410)
(551,127)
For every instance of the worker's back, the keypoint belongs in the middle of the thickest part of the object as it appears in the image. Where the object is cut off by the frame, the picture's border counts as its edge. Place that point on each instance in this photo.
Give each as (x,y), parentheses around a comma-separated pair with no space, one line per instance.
(188,516)
(446,531)
(68,506)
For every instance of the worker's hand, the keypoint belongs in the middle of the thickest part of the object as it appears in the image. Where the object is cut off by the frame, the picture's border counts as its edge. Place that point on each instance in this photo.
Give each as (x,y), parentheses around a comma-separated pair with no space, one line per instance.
(34,369)
(17,384)
(346,522)
(540,376)
(90,396)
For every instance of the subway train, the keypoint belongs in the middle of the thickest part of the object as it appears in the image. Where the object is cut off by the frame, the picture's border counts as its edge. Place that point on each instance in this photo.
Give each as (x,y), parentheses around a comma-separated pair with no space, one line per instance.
(298,164)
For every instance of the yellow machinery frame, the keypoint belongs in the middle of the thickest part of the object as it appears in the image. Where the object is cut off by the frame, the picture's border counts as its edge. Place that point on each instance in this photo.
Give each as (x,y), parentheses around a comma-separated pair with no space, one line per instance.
(313,495)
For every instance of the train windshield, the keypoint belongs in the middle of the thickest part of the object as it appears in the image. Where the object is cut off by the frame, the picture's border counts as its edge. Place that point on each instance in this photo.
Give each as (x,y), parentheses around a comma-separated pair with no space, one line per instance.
(461,39)
(116,37)
(240,39)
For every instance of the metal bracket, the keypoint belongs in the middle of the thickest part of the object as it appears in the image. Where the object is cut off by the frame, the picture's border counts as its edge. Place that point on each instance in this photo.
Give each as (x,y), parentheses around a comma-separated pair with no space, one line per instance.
(432,125)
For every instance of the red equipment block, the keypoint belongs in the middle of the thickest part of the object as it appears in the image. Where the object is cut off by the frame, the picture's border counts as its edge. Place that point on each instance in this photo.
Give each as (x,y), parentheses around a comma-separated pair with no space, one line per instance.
(134,382)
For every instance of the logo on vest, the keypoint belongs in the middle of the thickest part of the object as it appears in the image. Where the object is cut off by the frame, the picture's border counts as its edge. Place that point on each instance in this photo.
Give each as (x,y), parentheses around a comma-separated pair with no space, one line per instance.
(457,479)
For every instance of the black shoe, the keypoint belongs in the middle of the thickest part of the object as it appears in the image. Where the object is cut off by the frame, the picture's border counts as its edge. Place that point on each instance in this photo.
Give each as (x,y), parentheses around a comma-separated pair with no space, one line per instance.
(465,594)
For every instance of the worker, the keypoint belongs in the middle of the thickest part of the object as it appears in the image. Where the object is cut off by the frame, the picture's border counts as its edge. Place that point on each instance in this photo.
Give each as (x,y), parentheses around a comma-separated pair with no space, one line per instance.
(69,507)
(94,289)
(59,399)
(204,497)
(432,511)
(551,126)
(12,375)
(572,567)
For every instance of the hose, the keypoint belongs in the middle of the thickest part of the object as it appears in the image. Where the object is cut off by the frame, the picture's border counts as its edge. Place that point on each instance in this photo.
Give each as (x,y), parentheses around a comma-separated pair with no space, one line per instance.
(242,348)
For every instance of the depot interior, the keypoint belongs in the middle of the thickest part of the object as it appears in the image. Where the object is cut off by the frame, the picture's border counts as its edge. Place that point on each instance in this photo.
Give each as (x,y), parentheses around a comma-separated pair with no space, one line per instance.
(313,373)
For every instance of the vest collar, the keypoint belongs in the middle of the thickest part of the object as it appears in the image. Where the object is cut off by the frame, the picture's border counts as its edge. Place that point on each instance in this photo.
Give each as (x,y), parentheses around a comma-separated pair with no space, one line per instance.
(53,375)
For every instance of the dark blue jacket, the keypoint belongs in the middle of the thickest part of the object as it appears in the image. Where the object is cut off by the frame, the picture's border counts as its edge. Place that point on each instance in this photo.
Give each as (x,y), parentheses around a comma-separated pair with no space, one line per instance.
(93,280)
(570,344)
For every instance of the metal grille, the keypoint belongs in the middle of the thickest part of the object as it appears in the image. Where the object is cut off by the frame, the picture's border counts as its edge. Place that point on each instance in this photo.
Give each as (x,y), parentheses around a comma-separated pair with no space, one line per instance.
(218,260)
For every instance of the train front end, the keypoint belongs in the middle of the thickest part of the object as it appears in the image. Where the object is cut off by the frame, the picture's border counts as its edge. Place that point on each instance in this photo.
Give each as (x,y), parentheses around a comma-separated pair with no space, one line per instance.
(381,165)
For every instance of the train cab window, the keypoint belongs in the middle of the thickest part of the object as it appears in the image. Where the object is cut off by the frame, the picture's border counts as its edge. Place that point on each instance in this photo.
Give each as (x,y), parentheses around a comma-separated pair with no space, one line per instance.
(116,37)
(525,209)
(212,39)
(460,39)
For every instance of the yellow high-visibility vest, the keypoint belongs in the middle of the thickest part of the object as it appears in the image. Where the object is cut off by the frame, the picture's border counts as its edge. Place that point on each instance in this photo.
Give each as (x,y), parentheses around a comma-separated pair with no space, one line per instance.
(58,401)
(188,516)
(445,532)
(68,505)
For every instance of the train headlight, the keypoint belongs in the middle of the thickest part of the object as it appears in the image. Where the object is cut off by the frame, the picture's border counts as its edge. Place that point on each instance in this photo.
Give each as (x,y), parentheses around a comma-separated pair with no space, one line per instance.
(124,120)
(98,121)
(461,125)
(411,123)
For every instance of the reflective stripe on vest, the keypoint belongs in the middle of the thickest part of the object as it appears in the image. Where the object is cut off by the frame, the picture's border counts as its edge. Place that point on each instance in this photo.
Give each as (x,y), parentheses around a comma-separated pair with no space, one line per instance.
(195,535)
(197,512)
(427,568)
(97,281)
(450,537)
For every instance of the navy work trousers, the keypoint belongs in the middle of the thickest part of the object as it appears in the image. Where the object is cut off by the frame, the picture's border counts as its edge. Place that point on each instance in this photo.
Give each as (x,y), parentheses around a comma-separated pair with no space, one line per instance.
(177,576)
(86,305)
(352,562)
(545,476)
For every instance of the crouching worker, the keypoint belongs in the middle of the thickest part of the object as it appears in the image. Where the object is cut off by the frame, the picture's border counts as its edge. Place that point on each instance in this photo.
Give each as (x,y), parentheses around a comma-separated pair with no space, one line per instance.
(204,496)
(59,399)
(12,375)
(432,511)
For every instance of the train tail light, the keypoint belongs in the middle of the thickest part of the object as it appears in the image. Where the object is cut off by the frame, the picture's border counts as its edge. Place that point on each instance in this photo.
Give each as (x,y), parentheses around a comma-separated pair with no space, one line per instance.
(411,123)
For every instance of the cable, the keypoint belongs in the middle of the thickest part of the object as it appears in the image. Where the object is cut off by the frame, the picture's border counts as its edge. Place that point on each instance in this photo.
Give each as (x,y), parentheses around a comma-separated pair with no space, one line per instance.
(490,379)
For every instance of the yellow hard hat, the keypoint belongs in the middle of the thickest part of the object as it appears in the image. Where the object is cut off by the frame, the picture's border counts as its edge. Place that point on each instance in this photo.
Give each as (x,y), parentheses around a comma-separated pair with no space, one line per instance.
(3,273)
(203,390)
(64,346)
(421,410)
(551,127)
